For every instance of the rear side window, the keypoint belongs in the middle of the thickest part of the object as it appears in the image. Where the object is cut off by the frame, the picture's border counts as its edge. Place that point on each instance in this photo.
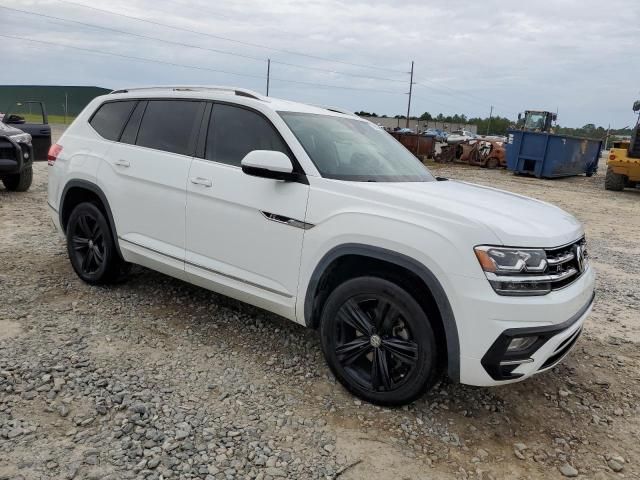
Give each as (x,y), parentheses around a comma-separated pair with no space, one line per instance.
(170,125)
(131,130)
(235,131)
(110,118)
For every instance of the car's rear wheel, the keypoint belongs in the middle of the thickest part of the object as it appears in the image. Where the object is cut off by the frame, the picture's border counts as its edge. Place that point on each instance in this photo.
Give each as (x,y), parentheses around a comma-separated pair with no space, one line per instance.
(19,182)
(492,162)
(378,341)
(91,246)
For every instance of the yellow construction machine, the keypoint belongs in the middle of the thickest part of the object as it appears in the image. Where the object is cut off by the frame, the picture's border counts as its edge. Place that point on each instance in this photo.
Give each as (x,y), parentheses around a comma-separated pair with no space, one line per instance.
(623,165)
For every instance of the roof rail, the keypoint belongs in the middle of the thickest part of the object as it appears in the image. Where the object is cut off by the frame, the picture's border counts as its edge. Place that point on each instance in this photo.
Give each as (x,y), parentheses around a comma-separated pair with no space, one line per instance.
(337,110)
(242,92)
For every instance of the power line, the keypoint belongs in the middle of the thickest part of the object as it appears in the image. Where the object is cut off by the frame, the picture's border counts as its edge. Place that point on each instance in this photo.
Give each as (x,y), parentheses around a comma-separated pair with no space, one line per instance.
(189,45)
(452,108)
(337,86)
(475,98)
(130,57)
(428,100)
(240,42)
(195,67)
(338,72)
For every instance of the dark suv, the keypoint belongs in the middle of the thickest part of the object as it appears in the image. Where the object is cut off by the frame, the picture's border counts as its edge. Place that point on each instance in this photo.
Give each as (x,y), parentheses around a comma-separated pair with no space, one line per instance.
(25,137)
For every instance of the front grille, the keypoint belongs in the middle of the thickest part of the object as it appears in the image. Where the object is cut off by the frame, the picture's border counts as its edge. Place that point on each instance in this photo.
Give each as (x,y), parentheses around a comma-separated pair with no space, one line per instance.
(566,263)
(7,150)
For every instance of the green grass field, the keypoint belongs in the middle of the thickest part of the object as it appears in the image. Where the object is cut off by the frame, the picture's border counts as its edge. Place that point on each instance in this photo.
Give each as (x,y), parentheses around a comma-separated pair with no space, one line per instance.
(35,118)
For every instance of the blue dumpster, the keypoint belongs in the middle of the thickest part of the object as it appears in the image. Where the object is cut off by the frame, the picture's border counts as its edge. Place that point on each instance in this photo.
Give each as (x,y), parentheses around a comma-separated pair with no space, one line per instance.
(546,155)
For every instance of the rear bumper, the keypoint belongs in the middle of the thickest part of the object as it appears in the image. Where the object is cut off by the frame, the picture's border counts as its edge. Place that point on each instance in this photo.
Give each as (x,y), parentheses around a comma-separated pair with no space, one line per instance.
(55,219)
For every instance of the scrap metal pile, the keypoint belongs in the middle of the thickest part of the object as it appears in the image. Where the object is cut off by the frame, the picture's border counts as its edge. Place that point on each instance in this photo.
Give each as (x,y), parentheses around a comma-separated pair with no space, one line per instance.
(482,152)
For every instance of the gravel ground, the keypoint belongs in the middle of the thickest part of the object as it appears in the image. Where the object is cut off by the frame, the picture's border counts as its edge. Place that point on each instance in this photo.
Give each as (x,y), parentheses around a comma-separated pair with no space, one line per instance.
(155,378)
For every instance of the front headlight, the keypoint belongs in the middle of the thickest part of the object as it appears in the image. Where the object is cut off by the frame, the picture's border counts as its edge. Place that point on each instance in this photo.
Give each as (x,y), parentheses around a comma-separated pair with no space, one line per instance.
(511,260)
(21,138)
(515,271)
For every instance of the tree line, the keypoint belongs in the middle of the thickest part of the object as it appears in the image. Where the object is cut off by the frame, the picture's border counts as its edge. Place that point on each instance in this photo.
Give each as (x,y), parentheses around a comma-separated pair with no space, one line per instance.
(499,125)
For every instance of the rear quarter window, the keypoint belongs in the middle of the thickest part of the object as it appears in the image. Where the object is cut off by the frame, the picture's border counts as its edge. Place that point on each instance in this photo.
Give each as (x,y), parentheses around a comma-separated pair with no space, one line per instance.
(110,118)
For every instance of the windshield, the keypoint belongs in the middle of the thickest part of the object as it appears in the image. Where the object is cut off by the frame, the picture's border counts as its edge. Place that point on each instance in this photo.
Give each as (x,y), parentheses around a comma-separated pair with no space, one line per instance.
(356,150)
(535,121)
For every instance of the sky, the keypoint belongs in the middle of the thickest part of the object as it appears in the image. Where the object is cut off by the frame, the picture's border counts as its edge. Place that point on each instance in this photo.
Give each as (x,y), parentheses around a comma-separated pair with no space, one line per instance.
(579,57)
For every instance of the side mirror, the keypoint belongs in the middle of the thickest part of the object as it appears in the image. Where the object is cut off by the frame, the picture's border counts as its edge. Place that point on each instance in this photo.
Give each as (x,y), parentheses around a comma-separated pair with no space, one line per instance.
(268,164)
(14,119)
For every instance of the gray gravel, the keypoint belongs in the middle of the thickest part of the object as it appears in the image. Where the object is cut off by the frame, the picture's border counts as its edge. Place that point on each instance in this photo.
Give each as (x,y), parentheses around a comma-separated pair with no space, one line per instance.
(155,378)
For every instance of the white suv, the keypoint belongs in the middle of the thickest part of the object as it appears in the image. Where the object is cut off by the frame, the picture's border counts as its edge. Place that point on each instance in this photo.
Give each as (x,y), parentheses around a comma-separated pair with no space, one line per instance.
(323,218)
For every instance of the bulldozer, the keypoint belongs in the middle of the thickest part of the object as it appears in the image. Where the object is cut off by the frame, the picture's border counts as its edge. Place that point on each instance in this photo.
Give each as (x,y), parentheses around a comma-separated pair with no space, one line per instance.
(537,121)
(623,164)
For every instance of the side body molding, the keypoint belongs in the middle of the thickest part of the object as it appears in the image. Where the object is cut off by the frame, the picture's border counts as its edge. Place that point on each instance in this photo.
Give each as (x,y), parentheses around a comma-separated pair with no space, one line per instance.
(442,302)
(92,187)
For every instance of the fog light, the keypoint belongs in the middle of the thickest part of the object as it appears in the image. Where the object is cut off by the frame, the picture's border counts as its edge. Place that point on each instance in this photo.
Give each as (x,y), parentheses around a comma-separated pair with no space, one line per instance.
(521,343)
(26,155)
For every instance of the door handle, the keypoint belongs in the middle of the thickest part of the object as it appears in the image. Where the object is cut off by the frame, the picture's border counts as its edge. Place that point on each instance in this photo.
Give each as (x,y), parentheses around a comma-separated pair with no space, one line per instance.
(45,131)
(205,182)
(122,163)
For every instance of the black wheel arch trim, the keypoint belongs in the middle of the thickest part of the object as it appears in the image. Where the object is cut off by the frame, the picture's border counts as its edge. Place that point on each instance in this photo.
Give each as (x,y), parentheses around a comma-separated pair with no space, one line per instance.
(401,260)
(93,188)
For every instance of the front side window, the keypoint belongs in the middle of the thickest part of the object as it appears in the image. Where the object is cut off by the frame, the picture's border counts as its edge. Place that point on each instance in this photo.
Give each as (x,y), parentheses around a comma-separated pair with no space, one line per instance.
(170,125)
(110,118)
(236,131)
(351,149)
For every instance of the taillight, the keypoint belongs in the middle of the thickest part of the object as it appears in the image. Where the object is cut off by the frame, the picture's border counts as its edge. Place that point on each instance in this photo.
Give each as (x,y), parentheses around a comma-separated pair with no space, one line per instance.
(612,157)
(54,151)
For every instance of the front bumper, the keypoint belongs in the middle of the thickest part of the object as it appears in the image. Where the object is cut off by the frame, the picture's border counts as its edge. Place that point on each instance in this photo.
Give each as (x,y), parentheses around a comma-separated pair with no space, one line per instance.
(550,345)
(14,156)
(486,321)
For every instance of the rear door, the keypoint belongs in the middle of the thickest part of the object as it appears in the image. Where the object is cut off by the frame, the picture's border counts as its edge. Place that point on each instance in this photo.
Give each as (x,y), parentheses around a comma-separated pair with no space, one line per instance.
(145,178)
(238,240)
(31,117)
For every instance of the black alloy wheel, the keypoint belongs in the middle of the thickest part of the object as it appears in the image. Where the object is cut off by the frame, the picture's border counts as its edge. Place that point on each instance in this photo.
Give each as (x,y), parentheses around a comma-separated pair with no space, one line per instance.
(87,243)
(378,341)
(91,247)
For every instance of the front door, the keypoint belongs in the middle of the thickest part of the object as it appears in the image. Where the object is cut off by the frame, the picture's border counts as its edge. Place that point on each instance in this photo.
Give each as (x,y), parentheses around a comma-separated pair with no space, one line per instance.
(31,117)
(239,239)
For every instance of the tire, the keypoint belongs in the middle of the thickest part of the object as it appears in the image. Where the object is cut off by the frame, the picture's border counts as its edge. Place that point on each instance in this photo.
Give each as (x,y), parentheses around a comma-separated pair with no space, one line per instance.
(614,181)
(91,247)
(19,182)
(378,341)
(492,162)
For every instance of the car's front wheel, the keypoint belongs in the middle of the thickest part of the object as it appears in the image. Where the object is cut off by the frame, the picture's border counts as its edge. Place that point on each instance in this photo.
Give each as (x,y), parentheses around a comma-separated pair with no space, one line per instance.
(378,341)
(91,245)
(19,182)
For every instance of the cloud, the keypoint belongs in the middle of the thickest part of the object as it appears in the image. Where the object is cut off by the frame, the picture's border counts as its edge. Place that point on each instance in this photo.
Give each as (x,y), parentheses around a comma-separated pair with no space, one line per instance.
(578,56)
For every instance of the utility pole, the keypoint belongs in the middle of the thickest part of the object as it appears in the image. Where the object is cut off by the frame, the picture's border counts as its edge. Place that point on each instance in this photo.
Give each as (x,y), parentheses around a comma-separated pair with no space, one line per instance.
(66,107)
(410,91)
(268,74)
(490,115)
